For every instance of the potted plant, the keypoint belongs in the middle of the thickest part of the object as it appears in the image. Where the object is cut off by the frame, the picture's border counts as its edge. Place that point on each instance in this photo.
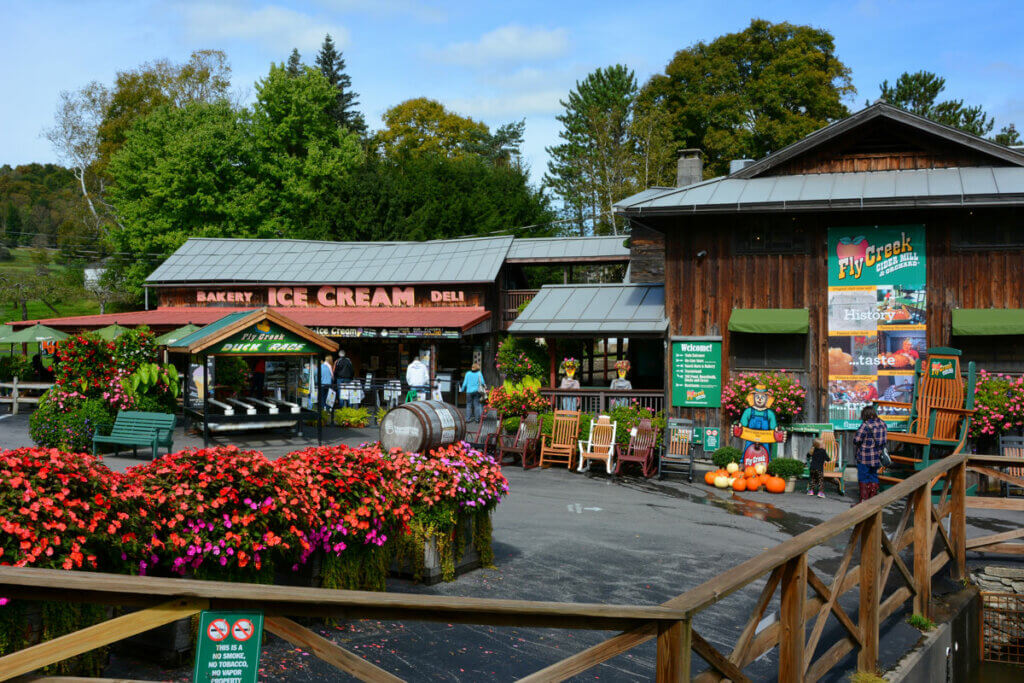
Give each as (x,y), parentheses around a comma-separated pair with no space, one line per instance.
(788,469)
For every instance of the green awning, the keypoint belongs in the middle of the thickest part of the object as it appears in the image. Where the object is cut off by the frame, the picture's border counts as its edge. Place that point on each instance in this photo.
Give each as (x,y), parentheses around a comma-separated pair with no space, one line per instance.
(110,332)
(169,338)
(988,321)
(34,334)
(769,320)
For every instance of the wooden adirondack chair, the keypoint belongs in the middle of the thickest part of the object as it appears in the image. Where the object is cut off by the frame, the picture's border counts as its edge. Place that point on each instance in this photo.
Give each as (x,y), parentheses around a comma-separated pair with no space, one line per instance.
(677,451)
(640,449)
(1012,447)
(523,444)
(560,447)
(834,464)
(940,411)
(600,445)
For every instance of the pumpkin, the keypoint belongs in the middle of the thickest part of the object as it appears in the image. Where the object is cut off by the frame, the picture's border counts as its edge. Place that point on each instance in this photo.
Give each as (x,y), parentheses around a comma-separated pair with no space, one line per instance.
(709,478)
(750,472)
(760,468)
(721,473)
(775,485)
(732,468)
(739,485)
(721,482)
(753,483)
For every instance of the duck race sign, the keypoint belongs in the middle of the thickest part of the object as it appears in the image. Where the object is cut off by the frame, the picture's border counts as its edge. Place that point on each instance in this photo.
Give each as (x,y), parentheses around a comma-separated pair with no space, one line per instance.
(877,308)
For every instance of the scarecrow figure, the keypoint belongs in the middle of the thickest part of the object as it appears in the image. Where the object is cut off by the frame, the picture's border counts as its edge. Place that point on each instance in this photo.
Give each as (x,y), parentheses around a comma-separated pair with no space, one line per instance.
(569,383)
(620,383)
(758,427)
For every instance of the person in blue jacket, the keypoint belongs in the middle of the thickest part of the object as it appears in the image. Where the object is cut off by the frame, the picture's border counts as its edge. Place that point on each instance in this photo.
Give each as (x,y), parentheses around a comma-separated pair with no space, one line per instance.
(473,386)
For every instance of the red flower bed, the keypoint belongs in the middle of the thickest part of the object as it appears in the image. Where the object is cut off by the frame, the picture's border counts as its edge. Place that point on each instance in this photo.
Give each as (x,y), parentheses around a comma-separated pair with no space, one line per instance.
(60,510)
(454,473)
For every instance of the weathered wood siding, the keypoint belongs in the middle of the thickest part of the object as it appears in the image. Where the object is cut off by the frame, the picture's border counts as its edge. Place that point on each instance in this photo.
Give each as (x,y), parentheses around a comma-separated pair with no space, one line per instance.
(646,255)
(701,292)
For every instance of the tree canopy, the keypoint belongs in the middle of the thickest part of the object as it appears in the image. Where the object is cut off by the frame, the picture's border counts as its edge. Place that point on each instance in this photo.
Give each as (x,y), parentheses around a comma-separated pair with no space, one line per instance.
(746,94)
(919,92)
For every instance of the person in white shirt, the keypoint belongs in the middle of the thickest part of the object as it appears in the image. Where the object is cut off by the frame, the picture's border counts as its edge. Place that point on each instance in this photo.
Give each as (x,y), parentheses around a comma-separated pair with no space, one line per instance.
(417,376)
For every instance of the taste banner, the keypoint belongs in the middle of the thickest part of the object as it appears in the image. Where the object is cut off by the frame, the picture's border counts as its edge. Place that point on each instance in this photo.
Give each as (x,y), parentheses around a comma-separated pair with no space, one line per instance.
(876,318)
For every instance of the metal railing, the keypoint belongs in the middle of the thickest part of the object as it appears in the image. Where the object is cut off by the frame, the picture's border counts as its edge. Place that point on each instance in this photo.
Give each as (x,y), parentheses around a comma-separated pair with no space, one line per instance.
(931,534)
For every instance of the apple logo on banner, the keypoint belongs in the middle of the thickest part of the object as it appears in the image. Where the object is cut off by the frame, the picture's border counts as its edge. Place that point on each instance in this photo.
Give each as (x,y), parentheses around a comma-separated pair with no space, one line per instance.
(852,253)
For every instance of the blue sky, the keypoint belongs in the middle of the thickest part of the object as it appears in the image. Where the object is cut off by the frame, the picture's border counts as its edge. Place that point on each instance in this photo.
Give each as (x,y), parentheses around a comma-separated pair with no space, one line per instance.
(494,61)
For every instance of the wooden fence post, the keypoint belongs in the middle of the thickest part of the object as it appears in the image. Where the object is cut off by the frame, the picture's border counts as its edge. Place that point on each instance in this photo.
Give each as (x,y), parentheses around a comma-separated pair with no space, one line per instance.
(792,635)
(14,396)
(922,501)
(870,591)
(669,667)
(958,522)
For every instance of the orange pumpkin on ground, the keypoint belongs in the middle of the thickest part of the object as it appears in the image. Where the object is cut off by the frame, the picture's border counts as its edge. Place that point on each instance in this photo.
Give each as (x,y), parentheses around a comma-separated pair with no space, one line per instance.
(739,485)
(775,485)
(709,478)
(750,472)
(753,483)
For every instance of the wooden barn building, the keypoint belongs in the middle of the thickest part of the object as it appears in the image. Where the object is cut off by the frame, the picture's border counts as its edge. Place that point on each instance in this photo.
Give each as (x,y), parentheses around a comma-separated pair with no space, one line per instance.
(841,258)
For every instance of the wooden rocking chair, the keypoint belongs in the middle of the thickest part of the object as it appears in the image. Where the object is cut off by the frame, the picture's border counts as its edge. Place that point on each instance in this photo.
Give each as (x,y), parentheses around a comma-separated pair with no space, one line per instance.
(560,447)
(639,450)
(942,406)
(487,433)
(600,445)
(1012,447)
(834,464)
(678,450)
(523,445)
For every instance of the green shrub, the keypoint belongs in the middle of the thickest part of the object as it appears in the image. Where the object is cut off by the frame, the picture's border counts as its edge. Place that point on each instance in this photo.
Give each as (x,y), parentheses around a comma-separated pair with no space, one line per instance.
(629,416)
(162,403)
(725,455)
(232,372)
(71,427)
(15,366)
(351,417)
(786,467)
(520,357)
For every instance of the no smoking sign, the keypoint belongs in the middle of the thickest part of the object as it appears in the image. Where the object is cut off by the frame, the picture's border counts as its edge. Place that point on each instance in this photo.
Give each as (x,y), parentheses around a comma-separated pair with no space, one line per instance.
(229,647)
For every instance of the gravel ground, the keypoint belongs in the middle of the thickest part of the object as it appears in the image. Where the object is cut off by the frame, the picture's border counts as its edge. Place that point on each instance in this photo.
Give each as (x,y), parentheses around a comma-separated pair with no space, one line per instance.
(562,536)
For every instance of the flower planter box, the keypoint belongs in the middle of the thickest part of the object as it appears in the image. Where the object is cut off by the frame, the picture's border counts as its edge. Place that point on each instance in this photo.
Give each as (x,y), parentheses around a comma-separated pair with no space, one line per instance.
(430,555)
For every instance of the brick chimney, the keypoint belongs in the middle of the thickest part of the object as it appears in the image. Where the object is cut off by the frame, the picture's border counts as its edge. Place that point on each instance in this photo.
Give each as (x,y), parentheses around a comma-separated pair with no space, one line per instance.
(689,168)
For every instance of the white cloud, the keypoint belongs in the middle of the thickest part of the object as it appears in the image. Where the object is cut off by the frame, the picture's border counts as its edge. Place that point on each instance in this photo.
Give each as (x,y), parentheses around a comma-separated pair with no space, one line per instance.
(278,28)
(509,43)
(509,106)
(417,9)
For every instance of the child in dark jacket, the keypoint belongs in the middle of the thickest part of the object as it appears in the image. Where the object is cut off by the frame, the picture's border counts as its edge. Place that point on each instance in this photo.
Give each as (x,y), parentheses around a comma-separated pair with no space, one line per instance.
(817,457)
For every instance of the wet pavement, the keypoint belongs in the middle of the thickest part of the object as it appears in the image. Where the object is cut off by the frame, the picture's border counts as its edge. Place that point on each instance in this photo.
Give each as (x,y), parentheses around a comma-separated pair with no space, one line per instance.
(563,536)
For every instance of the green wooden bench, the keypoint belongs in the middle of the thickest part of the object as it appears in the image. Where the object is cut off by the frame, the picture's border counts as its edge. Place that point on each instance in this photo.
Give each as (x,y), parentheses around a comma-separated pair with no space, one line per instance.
(133,428)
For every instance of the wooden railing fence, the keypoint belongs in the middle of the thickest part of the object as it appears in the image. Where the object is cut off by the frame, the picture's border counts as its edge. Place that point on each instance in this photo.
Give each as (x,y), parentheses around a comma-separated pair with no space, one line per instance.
(596,401)
(13,392)
(933,532)
(512,300)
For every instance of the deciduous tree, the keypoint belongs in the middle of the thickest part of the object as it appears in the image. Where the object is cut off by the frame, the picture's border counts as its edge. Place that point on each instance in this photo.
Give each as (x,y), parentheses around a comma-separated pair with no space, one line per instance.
(746,94)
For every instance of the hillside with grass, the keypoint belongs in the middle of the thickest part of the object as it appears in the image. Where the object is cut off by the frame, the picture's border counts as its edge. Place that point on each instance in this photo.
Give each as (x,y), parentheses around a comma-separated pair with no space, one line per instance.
(35,275)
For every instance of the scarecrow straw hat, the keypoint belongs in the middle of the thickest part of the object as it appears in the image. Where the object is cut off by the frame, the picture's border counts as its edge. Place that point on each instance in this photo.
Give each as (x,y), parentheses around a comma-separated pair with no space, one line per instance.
(760,389)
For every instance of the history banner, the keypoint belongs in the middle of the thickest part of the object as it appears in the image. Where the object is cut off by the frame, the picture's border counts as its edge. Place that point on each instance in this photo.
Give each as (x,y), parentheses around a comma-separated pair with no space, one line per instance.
(877,310)
(697,372)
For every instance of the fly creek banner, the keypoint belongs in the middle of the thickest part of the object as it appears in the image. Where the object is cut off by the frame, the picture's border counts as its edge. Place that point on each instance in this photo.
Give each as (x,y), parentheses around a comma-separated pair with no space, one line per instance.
(876,319)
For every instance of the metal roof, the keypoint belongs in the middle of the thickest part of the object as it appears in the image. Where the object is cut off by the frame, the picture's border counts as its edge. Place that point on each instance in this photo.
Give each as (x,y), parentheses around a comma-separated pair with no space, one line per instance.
(932,187)
(301,261)
(594,310)
(560,249)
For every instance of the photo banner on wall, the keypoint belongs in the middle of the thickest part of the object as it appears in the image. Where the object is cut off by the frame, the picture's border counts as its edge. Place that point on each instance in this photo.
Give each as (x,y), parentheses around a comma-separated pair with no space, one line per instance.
(876,319)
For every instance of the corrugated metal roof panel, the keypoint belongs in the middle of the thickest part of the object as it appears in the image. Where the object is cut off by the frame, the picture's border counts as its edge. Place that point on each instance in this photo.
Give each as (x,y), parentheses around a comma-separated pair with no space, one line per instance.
(246,260)
(561,248)
(982,184)
(608,309)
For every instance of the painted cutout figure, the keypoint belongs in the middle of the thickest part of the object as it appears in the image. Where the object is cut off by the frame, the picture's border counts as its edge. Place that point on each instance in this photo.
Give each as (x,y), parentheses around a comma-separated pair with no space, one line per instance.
(758,427)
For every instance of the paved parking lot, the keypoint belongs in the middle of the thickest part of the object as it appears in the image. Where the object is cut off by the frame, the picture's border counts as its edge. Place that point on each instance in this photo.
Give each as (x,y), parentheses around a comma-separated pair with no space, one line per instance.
(562,536)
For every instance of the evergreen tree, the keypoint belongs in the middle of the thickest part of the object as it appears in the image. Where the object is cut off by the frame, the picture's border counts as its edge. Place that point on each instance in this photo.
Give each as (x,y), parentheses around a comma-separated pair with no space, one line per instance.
(1008,136)
(294,67)
(918,93)
(332,66)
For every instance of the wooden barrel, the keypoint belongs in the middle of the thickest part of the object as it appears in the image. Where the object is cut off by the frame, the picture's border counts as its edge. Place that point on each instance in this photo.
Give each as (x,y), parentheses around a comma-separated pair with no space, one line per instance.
(419,426)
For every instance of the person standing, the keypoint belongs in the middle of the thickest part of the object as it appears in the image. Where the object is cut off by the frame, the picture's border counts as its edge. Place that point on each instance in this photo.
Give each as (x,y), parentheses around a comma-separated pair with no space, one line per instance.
(326,380)
(816,464)
(344,372)
(870,441)
(417,376)
(473,387)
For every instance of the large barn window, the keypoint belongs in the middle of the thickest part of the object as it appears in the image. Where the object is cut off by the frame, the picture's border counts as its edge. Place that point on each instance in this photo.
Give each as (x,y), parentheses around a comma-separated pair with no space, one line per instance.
(770,238)
(999,235)
(767,351)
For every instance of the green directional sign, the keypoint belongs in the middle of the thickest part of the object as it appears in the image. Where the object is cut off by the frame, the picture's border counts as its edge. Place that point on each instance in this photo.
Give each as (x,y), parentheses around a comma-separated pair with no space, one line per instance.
(228,650)
(697,372)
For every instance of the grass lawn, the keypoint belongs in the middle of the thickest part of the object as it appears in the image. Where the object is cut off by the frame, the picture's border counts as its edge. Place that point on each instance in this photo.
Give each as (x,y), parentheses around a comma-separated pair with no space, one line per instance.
(23,263)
